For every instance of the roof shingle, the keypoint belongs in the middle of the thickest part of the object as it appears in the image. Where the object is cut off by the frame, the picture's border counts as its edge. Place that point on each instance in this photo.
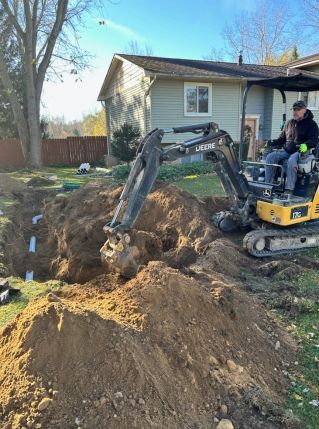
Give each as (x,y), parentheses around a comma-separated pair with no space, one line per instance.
(204,68)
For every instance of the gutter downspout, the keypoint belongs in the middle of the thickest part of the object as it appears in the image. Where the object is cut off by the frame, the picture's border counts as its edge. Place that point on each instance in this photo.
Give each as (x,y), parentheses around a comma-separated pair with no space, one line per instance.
(146,94)
(107,130)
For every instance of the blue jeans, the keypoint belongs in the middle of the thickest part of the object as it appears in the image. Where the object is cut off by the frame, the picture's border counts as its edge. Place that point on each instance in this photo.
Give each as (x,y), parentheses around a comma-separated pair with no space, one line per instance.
(292,166)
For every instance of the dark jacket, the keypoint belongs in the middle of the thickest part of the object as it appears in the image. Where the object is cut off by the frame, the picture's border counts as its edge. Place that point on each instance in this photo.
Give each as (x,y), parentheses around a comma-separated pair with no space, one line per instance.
(297,132)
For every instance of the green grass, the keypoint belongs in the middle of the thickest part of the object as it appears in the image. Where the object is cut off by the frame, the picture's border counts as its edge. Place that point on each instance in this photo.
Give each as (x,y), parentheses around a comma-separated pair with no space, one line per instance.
(202,186)
(64,174)
(29,291)
(5,203)
(306,386)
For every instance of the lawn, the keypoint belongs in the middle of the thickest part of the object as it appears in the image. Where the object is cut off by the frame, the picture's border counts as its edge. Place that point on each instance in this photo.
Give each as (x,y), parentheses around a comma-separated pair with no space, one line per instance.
(305,389)
(202,186)
(29,291)
(64,174)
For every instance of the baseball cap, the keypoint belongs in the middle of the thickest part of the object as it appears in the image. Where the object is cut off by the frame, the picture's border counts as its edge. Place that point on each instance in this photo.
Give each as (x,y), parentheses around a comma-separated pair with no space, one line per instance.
(299,105)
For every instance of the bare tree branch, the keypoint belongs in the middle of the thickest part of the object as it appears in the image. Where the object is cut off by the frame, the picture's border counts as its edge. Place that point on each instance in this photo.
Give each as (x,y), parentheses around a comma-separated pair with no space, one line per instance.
(60,16)
(264,34)
(134,48)
(46,34)
(12,18)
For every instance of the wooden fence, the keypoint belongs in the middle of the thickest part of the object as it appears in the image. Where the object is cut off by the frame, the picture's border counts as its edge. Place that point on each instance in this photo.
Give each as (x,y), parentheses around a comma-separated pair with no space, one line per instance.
(68,151)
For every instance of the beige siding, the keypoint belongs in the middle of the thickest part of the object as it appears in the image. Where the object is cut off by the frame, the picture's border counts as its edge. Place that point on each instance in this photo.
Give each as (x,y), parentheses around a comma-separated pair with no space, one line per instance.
(256,105)
(315,69)
(278,108)
(125,98)
(269,96)
(167,107)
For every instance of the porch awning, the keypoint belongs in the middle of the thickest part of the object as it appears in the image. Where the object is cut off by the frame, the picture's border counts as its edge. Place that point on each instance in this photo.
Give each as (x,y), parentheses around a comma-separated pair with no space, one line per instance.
(298,83)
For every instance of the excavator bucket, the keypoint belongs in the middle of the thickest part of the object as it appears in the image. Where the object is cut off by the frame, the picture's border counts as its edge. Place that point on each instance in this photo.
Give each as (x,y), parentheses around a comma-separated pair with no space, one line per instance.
(118,252)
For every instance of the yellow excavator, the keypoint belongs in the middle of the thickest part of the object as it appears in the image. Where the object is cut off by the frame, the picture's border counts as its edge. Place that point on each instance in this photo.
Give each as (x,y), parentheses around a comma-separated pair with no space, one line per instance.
(279,222)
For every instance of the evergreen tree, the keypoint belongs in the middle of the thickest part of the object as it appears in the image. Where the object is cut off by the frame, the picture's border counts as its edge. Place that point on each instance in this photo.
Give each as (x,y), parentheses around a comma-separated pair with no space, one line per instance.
(125,142)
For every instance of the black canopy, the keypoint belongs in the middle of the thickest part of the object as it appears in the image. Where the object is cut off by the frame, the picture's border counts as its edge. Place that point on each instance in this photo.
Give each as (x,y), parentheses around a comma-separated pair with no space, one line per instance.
(298,83)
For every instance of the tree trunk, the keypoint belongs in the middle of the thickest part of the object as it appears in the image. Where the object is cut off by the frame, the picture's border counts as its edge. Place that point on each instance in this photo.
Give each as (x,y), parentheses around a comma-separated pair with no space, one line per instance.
(19,118)
(32,106)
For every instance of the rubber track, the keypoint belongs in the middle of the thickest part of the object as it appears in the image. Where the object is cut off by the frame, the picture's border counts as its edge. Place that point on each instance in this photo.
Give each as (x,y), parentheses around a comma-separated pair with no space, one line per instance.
(251,238)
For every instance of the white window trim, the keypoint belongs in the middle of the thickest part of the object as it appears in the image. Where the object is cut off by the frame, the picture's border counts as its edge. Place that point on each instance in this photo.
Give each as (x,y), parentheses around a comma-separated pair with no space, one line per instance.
(317,106)
(257,117)
(209,85)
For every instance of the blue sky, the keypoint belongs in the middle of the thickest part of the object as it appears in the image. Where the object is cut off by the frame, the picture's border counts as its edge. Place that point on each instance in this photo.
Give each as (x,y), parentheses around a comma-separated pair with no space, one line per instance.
(173,28)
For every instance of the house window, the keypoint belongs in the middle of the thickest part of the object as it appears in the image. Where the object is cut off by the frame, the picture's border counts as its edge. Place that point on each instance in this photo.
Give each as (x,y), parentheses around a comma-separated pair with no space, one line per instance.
(197,99)
(313,100)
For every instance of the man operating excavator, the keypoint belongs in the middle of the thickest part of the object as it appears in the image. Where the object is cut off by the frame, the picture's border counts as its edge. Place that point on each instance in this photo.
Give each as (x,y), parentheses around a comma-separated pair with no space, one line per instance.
(299,135)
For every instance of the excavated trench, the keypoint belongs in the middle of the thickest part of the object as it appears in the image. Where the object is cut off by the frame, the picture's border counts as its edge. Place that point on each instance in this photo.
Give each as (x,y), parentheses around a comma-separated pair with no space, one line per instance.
(173,227)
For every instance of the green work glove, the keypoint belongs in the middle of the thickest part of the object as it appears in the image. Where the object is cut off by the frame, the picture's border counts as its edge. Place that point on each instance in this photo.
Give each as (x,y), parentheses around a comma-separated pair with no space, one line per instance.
(303,148)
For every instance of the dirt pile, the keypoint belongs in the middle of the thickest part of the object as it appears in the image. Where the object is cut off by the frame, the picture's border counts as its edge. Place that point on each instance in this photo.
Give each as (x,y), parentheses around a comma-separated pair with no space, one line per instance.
(9,185)
(162,351)
(173,226)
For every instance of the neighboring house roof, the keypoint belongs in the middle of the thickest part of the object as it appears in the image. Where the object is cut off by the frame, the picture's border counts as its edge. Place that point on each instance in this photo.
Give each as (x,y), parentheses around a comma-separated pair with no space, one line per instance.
(184,68)
(309,60)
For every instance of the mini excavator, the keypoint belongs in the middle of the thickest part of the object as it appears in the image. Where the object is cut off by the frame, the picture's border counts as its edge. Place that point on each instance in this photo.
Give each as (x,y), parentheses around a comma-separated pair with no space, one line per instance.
(279,223)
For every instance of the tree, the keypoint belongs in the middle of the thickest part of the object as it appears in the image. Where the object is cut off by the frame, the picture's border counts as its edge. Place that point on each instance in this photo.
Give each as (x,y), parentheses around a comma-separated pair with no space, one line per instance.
(125,142)
(264,34)
(215,54)
(46,33)
(95,124)
(8,126)
(134,48)
(284,57)
(311,14)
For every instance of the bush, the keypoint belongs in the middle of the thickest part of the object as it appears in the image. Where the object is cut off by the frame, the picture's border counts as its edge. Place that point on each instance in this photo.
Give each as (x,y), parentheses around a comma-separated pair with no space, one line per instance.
(121,172)
(169,172)
(125,141)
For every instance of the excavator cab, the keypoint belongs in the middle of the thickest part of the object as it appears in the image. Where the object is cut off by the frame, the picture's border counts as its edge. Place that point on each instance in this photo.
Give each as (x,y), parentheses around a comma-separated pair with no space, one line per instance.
(279,223)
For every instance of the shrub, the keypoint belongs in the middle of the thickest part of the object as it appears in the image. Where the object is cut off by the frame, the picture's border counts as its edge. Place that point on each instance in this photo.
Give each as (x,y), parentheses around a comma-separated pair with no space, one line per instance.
(121,172)
(169,172)
(125,142)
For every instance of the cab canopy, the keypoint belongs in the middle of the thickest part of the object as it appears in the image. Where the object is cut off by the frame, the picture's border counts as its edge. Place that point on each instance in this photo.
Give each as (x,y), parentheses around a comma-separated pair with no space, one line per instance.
(298,83)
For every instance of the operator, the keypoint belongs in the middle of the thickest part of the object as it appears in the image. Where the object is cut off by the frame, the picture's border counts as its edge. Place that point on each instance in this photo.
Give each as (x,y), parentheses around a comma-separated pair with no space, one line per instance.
(297,138)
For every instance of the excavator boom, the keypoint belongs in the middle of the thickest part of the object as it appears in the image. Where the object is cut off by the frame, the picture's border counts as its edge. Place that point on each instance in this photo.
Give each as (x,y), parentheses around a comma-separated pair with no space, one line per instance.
(214,144)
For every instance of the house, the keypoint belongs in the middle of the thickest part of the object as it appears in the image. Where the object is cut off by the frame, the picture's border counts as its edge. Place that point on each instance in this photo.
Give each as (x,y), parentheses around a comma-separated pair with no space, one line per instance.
(151,92)
(310,63)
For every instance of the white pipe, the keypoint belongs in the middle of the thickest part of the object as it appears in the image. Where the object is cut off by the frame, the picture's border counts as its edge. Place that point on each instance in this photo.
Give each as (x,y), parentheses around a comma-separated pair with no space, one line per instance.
(29,276)
(36,218)
(32,244)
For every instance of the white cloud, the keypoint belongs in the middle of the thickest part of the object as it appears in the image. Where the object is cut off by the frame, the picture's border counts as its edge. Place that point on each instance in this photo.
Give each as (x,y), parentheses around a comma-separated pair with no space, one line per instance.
(125,31)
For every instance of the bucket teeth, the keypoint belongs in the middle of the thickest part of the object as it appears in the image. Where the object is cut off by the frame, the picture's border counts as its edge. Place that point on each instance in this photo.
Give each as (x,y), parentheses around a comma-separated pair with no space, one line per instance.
(116,253)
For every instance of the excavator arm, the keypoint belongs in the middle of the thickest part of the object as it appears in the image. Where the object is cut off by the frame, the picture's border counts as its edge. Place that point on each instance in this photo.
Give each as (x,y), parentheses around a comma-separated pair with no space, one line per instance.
(215,145)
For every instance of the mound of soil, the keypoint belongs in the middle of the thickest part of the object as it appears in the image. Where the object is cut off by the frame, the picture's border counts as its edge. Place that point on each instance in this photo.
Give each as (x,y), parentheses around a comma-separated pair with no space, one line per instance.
(162,350)
(173,226)
(8,184)
(39,181)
